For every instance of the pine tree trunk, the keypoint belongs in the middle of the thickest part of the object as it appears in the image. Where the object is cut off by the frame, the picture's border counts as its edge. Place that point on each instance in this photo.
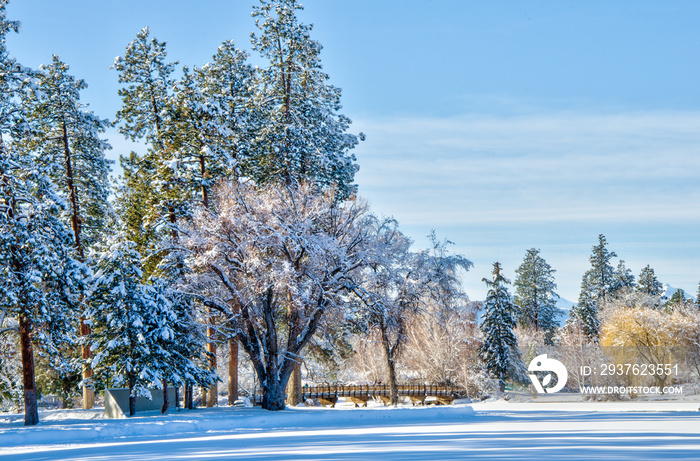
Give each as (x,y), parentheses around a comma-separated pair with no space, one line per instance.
(88,388)
(212,393)
(232,371)
(31,411)
(132,399)
(166,402)
(294,395)
(189,390)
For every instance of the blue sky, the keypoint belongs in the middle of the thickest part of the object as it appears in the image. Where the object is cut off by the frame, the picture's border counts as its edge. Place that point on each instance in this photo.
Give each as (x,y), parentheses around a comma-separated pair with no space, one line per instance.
(503,125)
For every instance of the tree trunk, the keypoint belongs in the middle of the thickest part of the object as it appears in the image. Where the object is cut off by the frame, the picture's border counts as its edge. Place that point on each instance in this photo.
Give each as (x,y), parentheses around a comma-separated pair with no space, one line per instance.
(88,386)
(212,393)
(75,220)
(132,399)
(189,404)
(294,395)
(389,354)
(166,402)
(232,371)
(31,411)
(273,395)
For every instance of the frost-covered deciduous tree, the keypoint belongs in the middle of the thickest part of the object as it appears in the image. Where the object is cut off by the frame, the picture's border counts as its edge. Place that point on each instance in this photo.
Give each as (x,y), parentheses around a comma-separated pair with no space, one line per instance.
(396,284)
(535,294)
(273,260)
(500,343)
(389,291)
(302,136)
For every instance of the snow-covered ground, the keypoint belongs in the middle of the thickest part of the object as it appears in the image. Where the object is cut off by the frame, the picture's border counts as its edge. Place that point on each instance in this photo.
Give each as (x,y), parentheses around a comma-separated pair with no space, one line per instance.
(485,430)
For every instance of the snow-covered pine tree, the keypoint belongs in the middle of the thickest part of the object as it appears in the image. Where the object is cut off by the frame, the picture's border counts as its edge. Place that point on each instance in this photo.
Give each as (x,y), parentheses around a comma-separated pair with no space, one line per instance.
(535,295)
(648,284)
(500,341)
(302,136)
(39,278)
(157,191)
(597,284)
(622,279)
(146,114)
(227,88)
(601,275)
(138,338)
(586,311)
(65,138)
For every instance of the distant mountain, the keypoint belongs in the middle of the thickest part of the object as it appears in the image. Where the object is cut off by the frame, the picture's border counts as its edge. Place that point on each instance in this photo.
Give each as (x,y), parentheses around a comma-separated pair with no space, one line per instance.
(668,291)
(565,306)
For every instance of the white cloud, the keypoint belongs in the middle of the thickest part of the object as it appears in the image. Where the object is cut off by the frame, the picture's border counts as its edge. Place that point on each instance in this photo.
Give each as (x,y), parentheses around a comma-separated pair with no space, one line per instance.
(499,185)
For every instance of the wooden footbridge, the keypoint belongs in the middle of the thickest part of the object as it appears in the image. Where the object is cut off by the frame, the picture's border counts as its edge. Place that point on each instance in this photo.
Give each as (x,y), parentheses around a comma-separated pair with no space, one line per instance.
(361,394)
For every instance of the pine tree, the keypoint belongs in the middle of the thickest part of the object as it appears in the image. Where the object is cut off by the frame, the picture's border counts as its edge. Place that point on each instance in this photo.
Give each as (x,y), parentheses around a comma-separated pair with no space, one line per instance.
(139,338)
(226,86)
(535,295)
(648,283)
(500,341)
(586,310)
(65,138)
(40,280)
(146,113)
(601,276)
(38,276)
(597,284)
(622,278)
(302,135)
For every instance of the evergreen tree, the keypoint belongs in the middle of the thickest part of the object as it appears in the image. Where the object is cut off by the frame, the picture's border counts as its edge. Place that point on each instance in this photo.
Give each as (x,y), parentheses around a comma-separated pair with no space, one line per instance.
(39,279)
(597,283)
(535,295)
(677,299)
(697,296)
(65,138)
(648,283)
(139,339)
(586,310)
(226,86)
(302,135)
(601,276)
(622,278)
(38,276)
(146,113)
(500,341)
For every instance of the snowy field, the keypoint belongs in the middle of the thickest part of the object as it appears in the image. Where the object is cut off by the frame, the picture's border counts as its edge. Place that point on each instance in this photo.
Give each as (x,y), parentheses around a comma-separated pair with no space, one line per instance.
(487,430)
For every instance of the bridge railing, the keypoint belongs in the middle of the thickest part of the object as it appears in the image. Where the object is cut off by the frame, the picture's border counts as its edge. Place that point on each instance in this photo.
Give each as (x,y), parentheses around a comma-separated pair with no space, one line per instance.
(378,390)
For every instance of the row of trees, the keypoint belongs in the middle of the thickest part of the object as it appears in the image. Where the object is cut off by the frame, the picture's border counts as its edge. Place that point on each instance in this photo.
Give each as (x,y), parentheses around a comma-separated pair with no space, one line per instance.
(613,310)
(239,223)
